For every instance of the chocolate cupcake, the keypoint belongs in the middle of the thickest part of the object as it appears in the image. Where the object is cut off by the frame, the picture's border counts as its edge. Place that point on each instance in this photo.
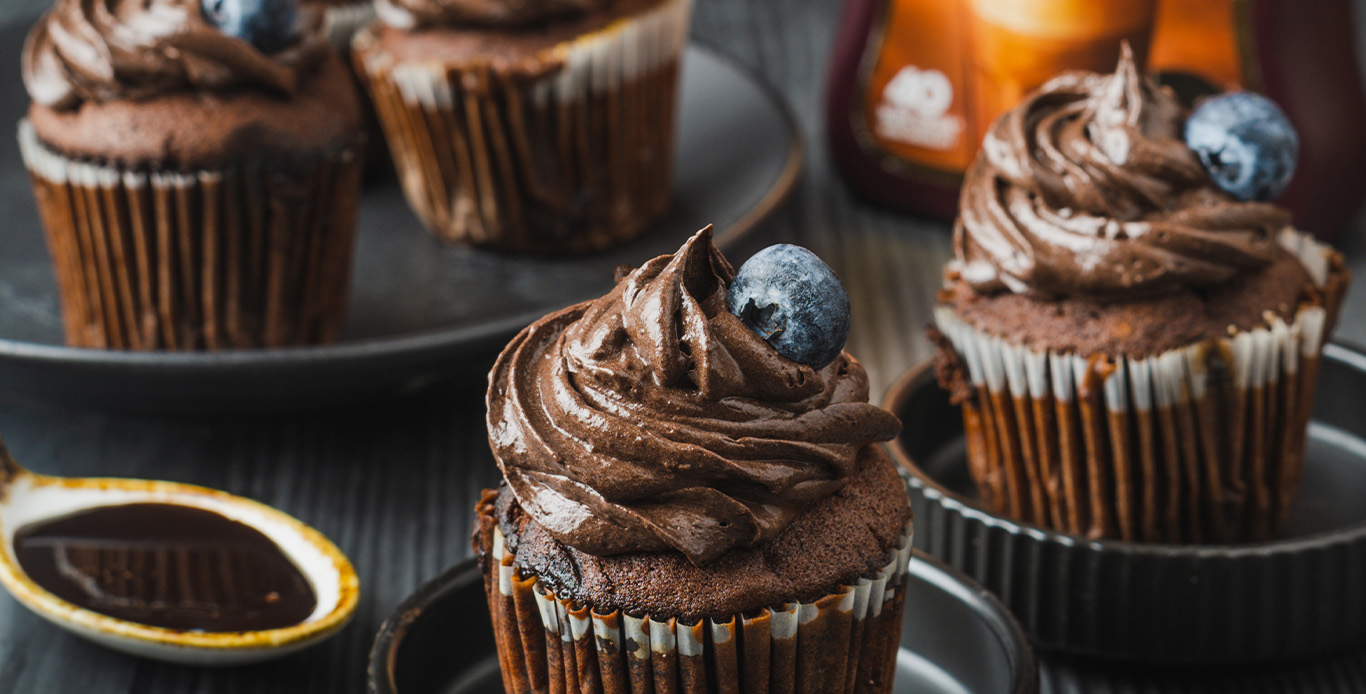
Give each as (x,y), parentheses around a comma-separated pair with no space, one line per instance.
(683,507)
(197,184)
(1135,349)
(537,125)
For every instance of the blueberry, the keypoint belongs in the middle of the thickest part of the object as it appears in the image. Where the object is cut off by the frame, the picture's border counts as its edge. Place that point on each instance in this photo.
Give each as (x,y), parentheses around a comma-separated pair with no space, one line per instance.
(1246,143)
(266,24)
(794,301)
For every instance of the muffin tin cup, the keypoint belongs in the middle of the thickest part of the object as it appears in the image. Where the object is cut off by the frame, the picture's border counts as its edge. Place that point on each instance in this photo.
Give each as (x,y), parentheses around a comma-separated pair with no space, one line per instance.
(1296,597)
(956,638)
(250,256)
(577,157)
(1203,443)
(844,642)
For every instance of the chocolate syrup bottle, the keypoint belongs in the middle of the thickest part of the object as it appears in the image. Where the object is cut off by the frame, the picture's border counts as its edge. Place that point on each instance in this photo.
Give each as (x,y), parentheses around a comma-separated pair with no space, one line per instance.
(915,84)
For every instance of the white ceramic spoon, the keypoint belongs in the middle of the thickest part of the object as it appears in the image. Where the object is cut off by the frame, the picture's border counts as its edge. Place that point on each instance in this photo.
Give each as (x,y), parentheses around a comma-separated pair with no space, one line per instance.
(27,498)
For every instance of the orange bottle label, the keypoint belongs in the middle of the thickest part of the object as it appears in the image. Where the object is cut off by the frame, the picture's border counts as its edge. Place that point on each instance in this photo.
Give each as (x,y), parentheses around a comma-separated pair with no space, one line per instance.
(915,99)
(1203,39)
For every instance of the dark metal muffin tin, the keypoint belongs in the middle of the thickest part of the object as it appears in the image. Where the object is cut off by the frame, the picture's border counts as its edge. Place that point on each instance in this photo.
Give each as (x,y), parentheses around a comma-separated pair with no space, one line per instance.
(957,639)
(1300,596)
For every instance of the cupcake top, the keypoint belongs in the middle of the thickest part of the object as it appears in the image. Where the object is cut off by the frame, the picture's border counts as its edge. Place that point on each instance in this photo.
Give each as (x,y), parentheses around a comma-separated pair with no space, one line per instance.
(1087,189)
(836,541)
(408,14)
(654,419)
(165,84)
(108,50)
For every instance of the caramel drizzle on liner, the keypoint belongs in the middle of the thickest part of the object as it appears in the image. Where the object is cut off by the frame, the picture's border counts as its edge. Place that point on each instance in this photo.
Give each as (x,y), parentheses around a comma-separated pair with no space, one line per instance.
(247,257)
(1204,443)
(576,159)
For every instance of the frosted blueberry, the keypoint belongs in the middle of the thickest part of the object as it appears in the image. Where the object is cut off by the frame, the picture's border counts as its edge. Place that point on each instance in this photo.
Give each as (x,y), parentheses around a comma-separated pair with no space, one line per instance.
(266,24)
(1246,144)
(792,299)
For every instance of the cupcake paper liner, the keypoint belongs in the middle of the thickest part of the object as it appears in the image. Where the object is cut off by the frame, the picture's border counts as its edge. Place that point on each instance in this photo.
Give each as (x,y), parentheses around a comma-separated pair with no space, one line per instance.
(249,256)
(578,158)
(1295,598)
(843,642)
(1202,443)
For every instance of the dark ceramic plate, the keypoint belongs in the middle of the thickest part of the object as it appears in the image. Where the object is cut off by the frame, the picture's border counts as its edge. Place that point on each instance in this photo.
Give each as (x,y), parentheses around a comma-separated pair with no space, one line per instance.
(957,639)
(1300,596)
(419,309)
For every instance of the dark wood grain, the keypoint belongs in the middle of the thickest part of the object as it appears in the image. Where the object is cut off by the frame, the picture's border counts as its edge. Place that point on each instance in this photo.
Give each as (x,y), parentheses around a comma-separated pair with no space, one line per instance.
(393,483)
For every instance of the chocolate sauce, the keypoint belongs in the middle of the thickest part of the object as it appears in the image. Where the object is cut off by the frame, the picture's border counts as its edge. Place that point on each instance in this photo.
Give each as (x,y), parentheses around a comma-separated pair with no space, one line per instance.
(168,566)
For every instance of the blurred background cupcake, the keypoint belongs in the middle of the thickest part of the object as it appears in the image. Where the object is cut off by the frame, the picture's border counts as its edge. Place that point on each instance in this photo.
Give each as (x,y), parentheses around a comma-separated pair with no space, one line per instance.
(535,125)
(1133,331)
(197,170)
(686,501)
(343,18)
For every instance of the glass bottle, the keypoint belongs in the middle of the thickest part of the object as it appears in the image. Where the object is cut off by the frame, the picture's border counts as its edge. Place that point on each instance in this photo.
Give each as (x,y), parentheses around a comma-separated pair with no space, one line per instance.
(914,84)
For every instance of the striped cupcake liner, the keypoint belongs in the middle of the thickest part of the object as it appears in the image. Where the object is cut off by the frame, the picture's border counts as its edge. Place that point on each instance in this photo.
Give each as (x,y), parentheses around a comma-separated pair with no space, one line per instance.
(1203,443)
(578,158)
(249,256)
(844,642)
(1295,598)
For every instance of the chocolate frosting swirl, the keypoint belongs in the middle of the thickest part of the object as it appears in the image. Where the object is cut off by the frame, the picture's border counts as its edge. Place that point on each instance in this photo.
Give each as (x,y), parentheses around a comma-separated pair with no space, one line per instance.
(107,50)
(653,419)
(408,14)
(1086,188)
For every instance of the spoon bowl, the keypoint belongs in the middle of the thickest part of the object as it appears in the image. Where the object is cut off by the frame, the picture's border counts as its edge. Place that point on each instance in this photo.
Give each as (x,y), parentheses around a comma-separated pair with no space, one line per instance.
(27,498)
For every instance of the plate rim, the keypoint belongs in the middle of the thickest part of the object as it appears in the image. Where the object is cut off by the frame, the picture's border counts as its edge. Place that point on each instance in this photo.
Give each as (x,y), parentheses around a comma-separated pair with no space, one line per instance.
(898,394)
(984,603)
(384,648)
(1019,650)
(467,338)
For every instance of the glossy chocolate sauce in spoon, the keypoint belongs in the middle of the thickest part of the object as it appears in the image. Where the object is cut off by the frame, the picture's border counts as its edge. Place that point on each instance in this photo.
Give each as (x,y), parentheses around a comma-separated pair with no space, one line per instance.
(166,565)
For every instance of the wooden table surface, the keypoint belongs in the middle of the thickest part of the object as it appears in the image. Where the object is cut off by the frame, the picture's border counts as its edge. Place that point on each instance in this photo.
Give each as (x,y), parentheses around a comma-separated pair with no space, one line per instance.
(393,483)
